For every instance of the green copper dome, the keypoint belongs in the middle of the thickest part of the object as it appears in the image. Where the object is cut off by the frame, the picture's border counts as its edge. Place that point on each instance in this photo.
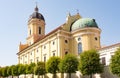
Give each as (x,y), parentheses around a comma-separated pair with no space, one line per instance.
(83,23)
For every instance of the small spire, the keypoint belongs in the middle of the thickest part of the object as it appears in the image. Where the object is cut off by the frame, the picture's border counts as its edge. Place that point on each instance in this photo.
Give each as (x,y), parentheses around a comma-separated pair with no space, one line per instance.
(36,8)
(77,11)
(20,43)
(69,14)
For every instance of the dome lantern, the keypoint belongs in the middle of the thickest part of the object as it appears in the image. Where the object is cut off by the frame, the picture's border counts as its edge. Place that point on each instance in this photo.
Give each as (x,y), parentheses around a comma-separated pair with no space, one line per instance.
(36,14)
(36,9)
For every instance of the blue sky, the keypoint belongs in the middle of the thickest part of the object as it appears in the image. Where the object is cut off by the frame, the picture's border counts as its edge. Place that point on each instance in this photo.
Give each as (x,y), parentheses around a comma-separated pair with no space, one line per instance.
(14,16)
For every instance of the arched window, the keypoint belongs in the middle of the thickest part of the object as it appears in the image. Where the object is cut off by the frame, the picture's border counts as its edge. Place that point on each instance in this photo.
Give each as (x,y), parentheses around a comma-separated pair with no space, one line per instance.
(30,31)
(39,30)
(79,48)
(79,39)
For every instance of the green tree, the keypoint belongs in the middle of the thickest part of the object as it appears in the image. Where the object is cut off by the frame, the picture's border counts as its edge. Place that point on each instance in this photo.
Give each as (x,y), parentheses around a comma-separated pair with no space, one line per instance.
(9,71)
(90,63)
(22,69)
(27,69)
(52,65)
(4,71)
(69,64)
(0,72)
(115,63)
(16,70)
(30,69)
(13,70)
(40,69)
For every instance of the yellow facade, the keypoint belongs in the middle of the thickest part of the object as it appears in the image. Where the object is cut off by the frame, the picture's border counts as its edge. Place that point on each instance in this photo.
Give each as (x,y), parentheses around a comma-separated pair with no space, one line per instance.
(68,38)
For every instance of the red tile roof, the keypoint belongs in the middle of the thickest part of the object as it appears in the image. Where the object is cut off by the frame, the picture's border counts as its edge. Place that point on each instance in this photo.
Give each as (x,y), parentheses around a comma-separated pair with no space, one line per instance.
(118,44)
(58,28)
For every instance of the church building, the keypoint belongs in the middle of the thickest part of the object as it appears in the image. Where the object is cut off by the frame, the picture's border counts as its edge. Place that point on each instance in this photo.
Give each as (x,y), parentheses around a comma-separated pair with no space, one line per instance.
(75,35)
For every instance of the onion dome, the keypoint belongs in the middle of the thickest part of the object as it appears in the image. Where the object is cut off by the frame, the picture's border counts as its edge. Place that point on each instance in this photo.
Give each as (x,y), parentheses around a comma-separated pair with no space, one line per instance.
(37,15)
(83,23)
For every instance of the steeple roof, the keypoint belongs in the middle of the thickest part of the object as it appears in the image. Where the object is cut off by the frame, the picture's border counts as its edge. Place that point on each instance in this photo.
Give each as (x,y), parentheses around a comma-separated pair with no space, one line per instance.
(36,14)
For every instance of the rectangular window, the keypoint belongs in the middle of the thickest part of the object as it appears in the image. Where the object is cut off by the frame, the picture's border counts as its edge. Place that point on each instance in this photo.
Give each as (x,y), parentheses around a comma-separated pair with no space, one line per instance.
(25,56)
(44,58)
(37,59)
(31,53)
(31,61)
(21,58)
(53,54)
(39,30)
(37,51)
(103,60)
(25,62)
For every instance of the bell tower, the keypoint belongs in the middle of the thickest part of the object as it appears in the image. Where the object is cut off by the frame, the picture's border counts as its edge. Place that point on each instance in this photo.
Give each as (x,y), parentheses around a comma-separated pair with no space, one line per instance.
(36,27)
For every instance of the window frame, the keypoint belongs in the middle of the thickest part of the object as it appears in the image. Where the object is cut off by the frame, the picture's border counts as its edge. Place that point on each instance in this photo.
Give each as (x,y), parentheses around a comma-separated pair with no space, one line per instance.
(79,47)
